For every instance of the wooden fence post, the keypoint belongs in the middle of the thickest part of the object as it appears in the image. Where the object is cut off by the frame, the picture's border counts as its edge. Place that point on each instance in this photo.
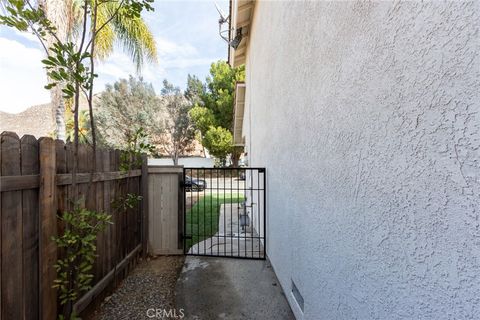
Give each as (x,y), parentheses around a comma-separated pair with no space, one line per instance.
(48,229)
(11,233)
(30,165)
(144,224)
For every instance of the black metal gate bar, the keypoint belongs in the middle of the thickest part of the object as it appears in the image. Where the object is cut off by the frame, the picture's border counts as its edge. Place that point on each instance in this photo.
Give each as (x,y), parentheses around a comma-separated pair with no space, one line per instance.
(224,212)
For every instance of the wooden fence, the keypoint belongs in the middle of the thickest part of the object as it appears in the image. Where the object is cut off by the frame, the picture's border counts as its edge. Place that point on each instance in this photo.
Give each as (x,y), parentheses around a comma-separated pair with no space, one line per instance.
(35,189)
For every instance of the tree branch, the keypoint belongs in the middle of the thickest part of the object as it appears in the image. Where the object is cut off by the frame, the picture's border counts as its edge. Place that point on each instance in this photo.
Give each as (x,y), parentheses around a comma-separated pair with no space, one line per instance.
(84,31)
(107,22)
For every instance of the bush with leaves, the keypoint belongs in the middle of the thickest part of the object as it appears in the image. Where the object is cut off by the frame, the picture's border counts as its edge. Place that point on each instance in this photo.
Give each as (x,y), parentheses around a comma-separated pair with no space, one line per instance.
(79,244)
(219,142)
(214,108)
(126,107)
(179,130)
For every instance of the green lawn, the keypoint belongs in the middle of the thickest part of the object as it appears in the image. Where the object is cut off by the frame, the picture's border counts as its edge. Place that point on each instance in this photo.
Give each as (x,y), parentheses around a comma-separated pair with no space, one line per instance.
(202,218)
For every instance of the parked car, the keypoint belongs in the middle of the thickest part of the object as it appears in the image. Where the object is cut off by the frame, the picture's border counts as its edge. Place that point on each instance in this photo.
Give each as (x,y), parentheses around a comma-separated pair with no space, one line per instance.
(192,184)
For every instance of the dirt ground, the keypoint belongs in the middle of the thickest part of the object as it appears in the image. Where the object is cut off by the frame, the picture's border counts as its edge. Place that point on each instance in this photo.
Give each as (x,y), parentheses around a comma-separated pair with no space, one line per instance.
(151,285)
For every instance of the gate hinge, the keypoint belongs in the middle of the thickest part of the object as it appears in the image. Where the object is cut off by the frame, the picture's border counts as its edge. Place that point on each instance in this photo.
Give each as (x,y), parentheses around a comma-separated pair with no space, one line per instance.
(186,237)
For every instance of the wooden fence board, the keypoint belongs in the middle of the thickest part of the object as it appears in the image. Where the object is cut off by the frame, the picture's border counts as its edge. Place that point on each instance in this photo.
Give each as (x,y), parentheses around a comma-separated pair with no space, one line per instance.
(83,160)
(48,228)
(61,165)
(114,192)
(98,189)
(12,234)
(107,208)
(144,213)
(29,166)
(15,183)
(35,189)
(62,194)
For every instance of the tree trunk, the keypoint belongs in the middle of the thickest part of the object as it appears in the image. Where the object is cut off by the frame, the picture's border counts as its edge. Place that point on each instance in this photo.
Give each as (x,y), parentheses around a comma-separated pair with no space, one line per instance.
(58,107)
(59,13)
(237,151)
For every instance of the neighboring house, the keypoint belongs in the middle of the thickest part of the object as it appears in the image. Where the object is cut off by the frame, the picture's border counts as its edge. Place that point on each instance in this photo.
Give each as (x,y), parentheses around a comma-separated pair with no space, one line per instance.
(366,116)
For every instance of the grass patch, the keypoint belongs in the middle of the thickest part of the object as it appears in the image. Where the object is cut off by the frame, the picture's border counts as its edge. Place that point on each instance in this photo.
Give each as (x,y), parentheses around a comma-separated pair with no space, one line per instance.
(202,218)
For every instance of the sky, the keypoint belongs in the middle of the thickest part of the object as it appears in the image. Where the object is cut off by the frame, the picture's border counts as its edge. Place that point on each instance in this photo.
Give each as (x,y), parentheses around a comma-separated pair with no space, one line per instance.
(187,39)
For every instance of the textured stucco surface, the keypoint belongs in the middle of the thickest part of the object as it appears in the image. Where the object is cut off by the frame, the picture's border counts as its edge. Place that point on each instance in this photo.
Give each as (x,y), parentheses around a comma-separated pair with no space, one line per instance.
(367,118)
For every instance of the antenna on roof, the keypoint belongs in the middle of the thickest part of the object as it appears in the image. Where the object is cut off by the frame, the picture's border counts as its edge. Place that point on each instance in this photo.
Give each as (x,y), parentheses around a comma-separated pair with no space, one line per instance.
(223,18)
(221,21)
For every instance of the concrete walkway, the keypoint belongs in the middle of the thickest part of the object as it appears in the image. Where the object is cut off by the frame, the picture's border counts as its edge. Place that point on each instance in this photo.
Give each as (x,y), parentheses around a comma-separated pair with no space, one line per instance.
(231,239)
(212,288)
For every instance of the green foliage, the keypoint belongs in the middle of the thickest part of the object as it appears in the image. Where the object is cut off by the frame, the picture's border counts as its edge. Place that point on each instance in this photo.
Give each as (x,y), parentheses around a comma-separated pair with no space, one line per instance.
(79,244)
(195,90)
(131,157)
(203,118)
(219,141)
(131,33)
(65,65)
(179,130)
(129,201)
(214,108)
(70,64)
(83,127)
(125,108)
(67,62)
(23,17)
(220,91)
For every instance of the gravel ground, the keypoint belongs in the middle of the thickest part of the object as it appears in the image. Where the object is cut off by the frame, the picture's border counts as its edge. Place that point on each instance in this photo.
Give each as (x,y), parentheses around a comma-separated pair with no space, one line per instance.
(150,285)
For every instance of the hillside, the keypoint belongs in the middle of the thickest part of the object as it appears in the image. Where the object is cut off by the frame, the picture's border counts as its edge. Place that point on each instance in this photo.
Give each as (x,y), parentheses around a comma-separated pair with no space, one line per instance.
(37,120)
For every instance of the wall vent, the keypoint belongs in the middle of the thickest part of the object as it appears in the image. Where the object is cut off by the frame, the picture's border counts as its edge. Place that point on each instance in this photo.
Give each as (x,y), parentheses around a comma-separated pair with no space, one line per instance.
(298,297)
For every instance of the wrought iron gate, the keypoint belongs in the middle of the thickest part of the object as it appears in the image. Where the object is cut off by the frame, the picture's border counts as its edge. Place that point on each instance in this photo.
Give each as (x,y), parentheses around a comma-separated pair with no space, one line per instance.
(224,212)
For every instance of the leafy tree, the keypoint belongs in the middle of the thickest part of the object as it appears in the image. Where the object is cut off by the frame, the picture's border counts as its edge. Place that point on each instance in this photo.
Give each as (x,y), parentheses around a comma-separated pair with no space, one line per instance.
(125,108)
(129,32)
(70,65)
(220,90)
(219,142)
(215,106)
(195,90)
(179,129)
(203,118)
(83,127)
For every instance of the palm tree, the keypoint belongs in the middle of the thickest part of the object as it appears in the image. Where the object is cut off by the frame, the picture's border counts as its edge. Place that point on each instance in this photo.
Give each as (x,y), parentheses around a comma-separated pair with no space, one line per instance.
(60,13)
(83,127)
(130,33)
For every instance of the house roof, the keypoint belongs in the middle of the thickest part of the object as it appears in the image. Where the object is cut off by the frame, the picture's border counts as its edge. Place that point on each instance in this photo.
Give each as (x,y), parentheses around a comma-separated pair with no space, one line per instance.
(239,107)
(241,14)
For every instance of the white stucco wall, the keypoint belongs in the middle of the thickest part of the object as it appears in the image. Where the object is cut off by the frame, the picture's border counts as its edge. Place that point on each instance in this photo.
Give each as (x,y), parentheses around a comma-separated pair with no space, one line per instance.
(367,118)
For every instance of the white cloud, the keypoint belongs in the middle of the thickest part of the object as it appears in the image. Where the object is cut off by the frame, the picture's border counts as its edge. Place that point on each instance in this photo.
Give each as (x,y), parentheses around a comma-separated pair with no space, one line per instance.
(22,76)
(27,36)
(186,33)
(168,48)
(119,65)
(188,63)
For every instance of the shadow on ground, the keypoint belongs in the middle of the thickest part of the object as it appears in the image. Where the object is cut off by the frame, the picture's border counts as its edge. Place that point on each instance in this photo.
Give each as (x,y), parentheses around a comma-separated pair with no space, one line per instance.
(212,288)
